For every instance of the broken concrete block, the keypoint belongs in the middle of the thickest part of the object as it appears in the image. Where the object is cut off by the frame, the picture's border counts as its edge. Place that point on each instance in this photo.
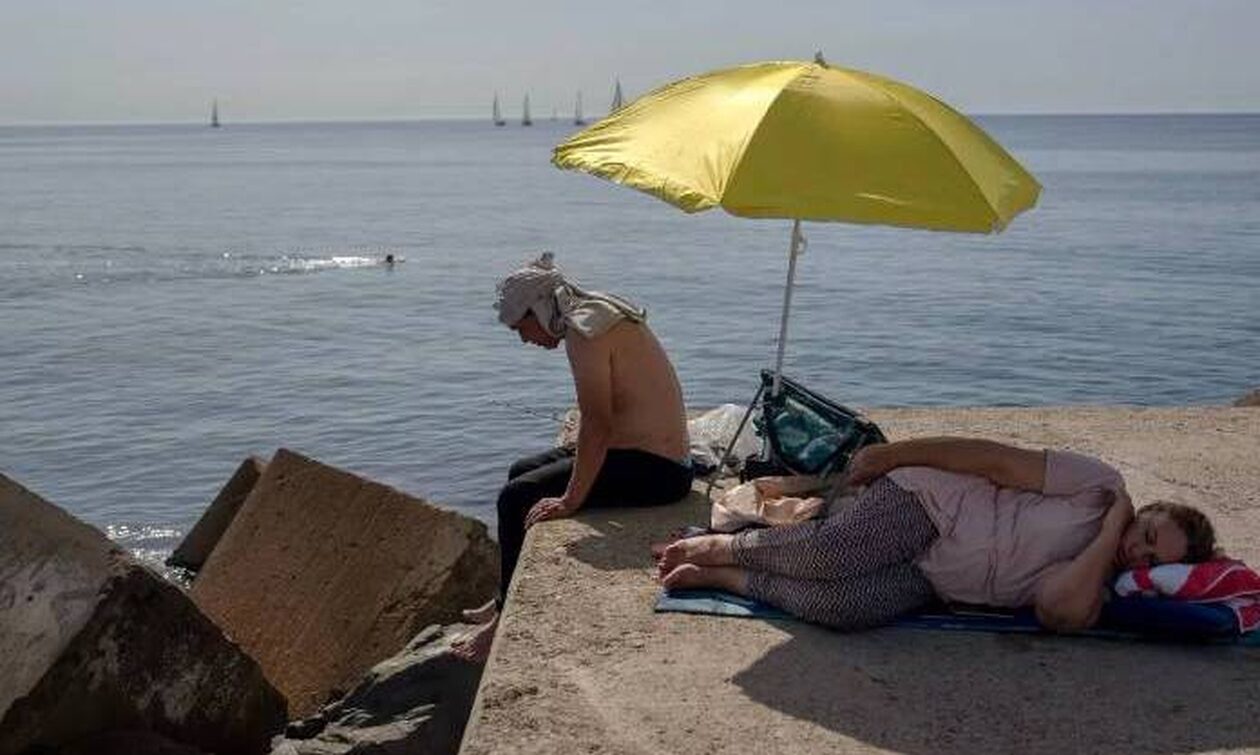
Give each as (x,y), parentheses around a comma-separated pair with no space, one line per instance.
(323,574)
(92,642)
(201,539)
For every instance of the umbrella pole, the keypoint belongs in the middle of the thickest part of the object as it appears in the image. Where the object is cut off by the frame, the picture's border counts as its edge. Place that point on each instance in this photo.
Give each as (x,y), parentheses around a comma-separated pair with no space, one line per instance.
(798,246)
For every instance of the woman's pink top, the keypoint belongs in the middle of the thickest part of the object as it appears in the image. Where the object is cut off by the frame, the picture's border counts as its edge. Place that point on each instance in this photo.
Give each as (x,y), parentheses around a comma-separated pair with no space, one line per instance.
(996,543)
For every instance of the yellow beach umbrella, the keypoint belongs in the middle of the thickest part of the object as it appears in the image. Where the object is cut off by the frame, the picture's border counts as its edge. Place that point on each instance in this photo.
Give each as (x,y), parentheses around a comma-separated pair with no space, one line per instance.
(807,141)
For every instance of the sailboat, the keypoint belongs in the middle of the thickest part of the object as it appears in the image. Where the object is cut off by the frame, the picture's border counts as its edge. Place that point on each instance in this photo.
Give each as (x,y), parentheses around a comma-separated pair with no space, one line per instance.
(525,119)
(616,103)
(214,115)
(496,117)
(577,111)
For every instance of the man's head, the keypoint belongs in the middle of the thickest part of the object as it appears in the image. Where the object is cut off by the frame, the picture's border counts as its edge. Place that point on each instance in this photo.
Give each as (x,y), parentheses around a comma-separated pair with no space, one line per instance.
(527,300)
(1166,533)
(530,331)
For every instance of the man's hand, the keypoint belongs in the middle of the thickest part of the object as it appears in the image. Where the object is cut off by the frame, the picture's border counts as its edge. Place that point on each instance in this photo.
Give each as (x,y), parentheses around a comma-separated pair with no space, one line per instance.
(549,508)
(868,463)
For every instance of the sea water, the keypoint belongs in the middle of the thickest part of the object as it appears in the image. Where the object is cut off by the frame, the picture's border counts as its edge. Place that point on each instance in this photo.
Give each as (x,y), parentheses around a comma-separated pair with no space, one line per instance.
(174,298)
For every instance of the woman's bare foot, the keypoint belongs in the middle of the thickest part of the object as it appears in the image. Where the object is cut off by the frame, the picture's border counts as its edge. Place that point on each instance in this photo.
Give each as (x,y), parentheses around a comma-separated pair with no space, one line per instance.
(658,549)
(705,550)
(475,644)
(693,576)
(481,614)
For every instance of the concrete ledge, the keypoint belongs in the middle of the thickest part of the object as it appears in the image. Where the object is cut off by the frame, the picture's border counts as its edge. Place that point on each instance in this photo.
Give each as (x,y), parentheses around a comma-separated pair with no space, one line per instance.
(582,665)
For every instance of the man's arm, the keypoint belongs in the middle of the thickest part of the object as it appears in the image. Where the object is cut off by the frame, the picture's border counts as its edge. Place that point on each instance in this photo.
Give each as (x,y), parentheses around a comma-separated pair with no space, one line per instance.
(591,362)
(1070,597)
(1005,466)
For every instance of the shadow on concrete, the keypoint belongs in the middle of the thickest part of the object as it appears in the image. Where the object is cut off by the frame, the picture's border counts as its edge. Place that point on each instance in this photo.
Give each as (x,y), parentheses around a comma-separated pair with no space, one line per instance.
(623,537)
(937,692)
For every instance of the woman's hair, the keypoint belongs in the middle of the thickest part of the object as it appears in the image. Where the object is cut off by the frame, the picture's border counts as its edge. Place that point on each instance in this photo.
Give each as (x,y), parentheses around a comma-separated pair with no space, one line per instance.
(1200,537)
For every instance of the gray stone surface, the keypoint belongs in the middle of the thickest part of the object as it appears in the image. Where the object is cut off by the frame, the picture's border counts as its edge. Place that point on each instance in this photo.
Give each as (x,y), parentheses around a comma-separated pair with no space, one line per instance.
(196,546)
(52,568)
(322,574)
(94,642)
(128,743)
(415,702)
(581,664)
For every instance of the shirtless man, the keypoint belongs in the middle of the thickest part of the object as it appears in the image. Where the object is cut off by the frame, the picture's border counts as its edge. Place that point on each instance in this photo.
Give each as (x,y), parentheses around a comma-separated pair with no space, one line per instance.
(632,446)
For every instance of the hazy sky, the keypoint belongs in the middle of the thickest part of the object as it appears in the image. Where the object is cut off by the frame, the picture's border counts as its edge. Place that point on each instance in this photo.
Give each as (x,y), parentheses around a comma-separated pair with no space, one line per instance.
(164,60)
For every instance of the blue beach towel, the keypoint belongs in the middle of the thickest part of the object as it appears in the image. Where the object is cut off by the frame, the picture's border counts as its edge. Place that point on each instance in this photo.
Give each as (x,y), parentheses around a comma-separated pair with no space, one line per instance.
(1122,619)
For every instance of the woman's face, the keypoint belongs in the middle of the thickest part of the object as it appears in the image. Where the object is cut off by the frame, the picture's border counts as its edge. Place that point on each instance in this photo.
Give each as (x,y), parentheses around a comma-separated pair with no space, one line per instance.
(1152,538)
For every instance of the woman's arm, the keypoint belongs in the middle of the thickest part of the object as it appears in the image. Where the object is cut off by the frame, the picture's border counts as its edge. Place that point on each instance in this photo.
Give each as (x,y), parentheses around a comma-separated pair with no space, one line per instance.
(1070,597)
(1005,466)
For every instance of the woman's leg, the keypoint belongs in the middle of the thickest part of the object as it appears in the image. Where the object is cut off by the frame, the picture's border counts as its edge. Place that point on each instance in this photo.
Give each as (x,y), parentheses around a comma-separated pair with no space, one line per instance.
(885,525)
(870,600)
(516,498)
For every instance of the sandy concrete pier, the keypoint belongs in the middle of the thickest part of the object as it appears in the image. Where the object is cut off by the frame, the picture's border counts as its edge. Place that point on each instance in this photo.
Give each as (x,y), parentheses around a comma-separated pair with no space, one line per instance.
(582,665)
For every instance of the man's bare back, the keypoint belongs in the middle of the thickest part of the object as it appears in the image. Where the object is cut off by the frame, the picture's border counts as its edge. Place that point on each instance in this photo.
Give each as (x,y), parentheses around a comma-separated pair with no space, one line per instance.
(647,402)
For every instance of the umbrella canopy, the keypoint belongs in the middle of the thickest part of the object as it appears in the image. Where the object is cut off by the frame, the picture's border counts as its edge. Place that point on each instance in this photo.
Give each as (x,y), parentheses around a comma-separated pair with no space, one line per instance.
(807,141)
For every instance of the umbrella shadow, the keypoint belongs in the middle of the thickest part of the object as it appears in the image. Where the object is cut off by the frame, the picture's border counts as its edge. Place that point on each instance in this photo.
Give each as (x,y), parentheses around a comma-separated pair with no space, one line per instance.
(622,537)
(926,692)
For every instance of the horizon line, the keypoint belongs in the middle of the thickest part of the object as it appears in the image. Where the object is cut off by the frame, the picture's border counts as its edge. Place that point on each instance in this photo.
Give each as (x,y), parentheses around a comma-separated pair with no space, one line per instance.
(548,119)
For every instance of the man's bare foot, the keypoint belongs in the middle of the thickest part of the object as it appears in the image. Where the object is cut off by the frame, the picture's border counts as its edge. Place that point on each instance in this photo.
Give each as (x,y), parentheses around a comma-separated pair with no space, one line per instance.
(693,576)
(705,550)
(475,644)
(481,614)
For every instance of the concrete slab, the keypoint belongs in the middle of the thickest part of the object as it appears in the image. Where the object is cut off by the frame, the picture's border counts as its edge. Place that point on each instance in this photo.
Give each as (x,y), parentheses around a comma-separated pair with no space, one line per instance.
(196,546)
(322,574)
(582,665)
(92,642)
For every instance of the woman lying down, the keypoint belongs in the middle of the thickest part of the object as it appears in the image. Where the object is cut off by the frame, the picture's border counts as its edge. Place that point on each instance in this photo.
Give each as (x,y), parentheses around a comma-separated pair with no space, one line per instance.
(962,520)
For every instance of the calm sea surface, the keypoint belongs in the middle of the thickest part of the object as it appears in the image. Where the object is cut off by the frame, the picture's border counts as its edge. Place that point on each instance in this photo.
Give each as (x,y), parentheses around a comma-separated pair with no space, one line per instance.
(173,298)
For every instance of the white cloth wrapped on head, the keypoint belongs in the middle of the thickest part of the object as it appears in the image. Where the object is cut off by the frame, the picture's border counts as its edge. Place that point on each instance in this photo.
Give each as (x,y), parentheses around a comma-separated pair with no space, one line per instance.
(559,304)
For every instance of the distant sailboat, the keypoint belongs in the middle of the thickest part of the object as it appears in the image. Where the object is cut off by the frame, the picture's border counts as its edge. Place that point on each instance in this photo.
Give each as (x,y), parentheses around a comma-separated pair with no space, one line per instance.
(496,116)
(577,111)
(616,103)
(214,115)
(525,119)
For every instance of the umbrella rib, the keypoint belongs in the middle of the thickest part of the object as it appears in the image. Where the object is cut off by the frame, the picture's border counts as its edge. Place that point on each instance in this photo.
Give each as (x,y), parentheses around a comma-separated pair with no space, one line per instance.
(752,135)
(997,223)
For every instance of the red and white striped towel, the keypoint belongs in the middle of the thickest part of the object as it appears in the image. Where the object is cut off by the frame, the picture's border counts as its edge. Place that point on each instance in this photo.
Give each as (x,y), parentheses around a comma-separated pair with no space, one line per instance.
(1224,581)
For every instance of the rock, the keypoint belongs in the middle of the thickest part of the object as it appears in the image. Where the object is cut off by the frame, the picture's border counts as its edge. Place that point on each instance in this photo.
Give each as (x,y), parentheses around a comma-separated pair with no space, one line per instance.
(415,702)
(1252,398)
(128,743)
(323,574)
(93,642)
(201,539)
